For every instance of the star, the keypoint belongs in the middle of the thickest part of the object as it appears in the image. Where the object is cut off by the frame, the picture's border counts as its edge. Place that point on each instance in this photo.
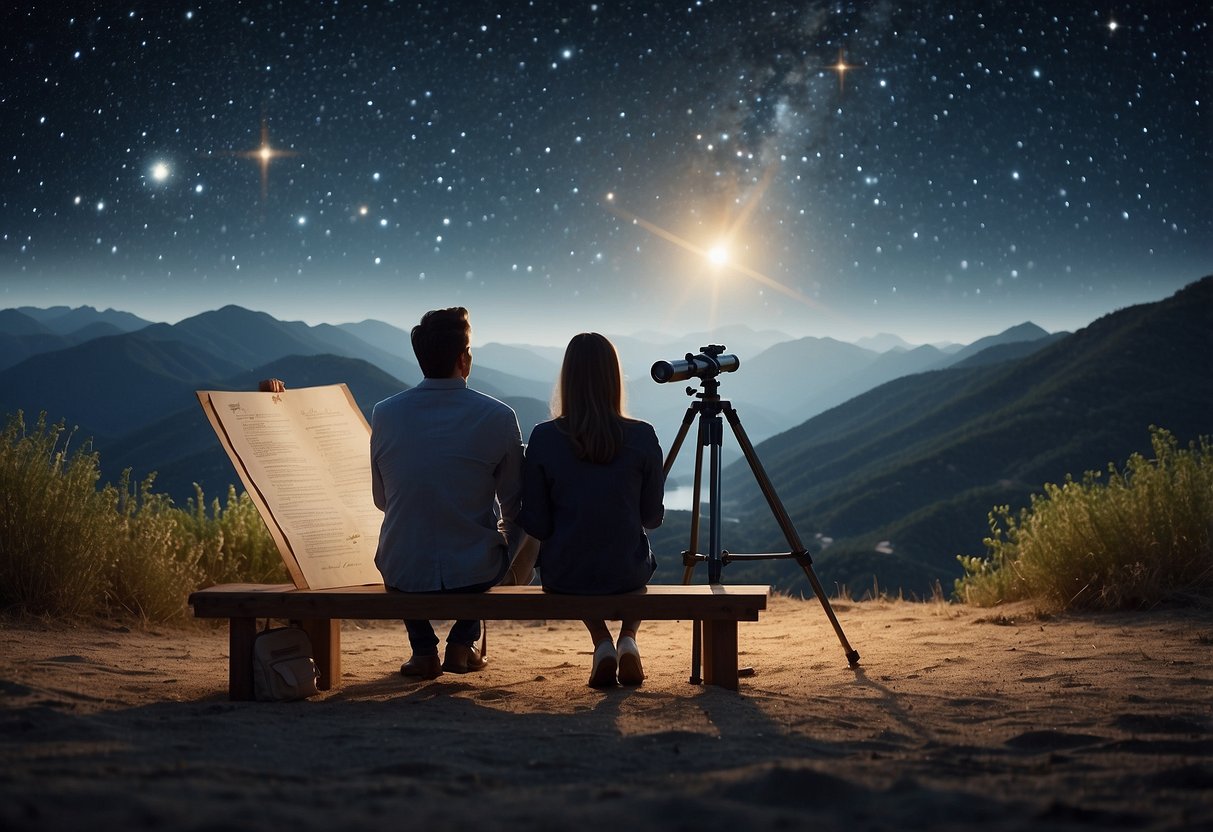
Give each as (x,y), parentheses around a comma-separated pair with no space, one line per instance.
(717,254)
(842,68)
(265,154)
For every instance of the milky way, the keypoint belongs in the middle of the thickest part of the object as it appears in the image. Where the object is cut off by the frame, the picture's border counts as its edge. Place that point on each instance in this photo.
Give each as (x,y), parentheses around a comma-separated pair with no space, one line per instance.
(936,169)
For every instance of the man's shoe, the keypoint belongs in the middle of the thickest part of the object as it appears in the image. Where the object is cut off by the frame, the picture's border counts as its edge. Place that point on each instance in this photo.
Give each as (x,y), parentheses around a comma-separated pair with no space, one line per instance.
(631,672)
(460,658)
(602,674)
(421,667)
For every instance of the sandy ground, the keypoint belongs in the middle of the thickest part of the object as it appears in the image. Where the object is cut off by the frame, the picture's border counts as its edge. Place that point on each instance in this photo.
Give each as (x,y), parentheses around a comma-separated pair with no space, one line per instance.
(955,718)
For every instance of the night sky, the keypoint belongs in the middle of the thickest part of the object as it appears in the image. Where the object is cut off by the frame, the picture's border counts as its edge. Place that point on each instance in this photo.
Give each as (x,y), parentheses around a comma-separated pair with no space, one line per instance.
(937,170)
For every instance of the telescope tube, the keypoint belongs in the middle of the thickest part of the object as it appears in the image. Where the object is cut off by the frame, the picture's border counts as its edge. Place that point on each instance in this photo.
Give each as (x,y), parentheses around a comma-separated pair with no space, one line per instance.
(699,366)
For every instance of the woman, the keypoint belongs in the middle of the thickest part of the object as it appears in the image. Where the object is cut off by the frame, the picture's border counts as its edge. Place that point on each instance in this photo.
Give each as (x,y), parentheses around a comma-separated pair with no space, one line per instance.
(592,482)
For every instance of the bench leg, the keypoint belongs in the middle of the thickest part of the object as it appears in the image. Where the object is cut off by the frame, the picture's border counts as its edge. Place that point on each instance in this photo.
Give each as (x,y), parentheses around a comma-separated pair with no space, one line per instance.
(325,635)
(240,635)
(720,653)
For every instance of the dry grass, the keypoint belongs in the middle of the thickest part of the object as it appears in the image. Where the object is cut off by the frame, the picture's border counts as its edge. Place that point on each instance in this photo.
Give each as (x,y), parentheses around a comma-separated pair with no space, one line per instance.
(69,547)
(1134,538)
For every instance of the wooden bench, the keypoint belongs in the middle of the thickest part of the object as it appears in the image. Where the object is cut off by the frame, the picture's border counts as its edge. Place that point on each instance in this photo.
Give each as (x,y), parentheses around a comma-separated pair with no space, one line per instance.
(319,612)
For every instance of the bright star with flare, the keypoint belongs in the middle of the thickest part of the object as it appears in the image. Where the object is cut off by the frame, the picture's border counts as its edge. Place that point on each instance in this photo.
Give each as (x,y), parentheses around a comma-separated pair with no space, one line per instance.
(718,254)
(264,155)
(842,68)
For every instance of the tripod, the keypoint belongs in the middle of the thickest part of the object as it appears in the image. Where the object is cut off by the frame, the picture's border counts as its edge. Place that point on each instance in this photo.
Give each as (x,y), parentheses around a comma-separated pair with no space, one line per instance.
(709,406)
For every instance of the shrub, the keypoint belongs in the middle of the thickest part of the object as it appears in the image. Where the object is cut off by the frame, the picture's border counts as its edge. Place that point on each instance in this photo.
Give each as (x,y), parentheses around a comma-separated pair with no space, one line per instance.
(234,543)
(1140,536)
(154,565)
(71,548)
(57,530)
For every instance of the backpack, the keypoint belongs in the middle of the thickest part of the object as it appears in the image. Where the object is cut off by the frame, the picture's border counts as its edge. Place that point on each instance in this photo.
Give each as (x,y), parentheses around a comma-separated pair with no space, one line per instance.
(283,667)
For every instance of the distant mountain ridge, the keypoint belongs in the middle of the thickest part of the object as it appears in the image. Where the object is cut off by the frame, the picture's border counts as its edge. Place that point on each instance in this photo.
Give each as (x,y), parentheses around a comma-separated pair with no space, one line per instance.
(894,456)
(154,364)
(16,323)
(913,466)
(113,385)
(181,448)
(23,335)
(1021,334)
(775,398)
(133,392)
(64,320)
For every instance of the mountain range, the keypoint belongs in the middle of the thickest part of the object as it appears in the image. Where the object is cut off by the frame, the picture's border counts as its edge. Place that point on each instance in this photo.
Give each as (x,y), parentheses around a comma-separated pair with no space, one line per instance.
(900,479)
(888,460)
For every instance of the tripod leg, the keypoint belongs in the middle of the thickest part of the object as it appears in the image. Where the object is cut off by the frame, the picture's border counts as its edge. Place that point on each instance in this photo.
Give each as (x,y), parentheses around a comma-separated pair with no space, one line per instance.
(688,569)
(851,653)
(715,430)
(711,432)
(682,434)
(693,546)
(789,531)
(692,552)
(696,652)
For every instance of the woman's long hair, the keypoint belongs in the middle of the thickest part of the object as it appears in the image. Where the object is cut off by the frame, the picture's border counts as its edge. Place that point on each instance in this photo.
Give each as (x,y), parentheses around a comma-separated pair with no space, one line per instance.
(589,400)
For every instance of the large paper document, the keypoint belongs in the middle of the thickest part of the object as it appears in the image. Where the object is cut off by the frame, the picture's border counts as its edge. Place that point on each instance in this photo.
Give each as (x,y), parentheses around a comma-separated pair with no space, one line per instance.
(304,457)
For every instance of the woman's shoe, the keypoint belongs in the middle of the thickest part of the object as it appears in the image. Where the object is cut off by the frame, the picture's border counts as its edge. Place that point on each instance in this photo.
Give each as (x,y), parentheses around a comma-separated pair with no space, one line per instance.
(631,672)
(605,662)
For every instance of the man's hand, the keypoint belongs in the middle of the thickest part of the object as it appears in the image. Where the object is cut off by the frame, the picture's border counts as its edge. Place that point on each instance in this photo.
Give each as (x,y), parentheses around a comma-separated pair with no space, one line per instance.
(272,385)
(522,570)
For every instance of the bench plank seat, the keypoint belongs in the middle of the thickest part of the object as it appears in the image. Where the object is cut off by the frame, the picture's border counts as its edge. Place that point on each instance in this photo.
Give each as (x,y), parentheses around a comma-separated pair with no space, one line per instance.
(319,612)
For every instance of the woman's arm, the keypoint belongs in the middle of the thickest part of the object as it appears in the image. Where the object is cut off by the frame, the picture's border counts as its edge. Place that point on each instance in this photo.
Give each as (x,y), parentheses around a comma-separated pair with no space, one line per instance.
(652,489)
(535,517)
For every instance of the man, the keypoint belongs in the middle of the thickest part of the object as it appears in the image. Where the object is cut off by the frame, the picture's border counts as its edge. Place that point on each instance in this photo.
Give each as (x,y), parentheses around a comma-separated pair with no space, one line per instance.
(446,466)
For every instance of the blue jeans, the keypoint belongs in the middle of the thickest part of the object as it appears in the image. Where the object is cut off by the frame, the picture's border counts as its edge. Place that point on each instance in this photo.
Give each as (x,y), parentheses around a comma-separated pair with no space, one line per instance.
(424,641)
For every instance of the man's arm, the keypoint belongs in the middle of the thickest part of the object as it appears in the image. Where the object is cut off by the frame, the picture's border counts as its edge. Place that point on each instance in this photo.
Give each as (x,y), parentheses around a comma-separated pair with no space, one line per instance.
(508,473)
(523,549)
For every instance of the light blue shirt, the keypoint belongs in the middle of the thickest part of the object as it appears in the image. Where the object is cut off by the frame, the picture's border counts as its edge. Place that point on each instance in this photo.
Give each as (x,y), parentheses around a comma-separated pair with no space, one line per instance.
(446,469)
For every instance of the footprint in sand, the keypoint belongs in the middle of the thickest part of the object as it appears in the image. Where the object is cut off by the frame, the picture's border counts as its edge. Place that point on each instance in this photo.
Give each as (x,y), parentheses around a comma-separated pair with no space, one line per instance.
(493,695)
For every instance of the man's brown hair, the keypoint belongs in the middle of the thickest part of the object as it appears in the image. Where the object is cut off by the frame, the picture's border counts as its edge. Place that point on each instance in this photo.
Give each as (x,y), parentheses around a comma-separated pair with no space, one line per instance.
(442,336)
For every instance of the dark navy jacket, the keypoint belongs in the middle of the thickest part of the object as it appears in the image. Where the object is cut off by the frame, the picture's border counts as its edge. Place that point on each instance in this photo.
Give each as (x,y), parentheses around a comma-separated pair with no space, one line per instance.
(590,517)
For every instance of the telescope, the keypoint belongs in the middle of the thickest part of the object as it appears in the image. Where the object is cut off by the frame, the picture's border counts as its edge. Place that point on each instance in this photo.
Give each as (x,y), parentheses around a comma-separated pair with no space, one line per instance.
(712,412)
(709,363)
